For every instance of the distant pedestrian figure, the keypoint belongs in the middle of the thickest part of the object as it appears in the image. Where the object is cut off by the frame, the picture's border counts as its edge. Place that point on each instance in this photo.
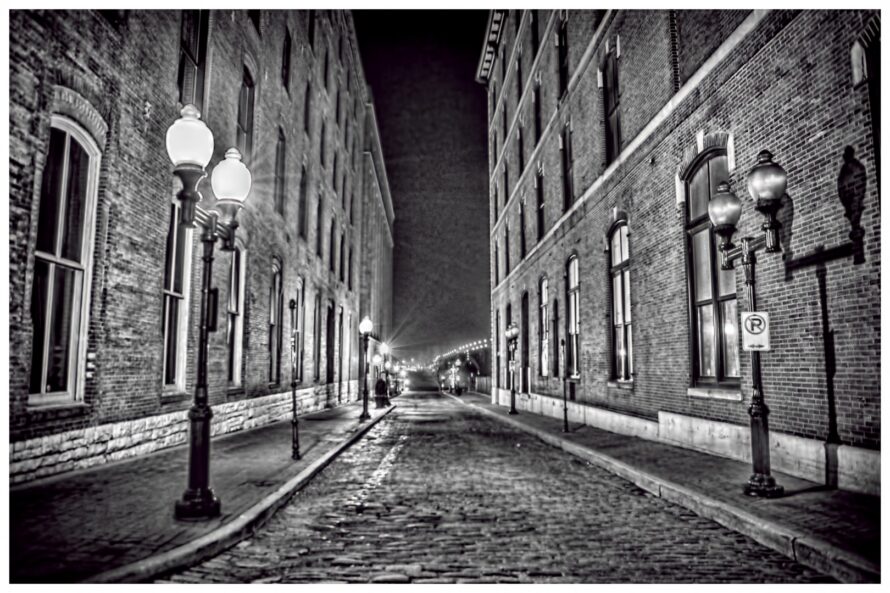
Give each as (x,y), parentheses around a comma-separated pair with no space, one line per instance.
(380,387)
(380,393)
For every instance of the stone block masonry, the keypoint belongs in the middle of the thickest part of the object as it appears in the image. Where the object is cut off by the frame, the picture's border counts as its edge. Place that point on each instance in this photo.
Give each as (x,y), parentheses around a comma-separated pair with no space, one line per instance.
(88,447)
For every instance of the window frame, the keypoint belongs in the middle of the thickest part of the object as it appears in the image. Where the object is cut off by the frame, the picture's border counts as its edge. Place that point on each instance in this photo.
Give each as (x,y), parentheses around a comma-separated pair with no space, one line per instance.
(280,173)
(244,122)
(621,371)
(286,51)
(543,327)
(198,61)
(573,311)
(235,317)
(611,107)
(692,227)
(276,321)
(83,269)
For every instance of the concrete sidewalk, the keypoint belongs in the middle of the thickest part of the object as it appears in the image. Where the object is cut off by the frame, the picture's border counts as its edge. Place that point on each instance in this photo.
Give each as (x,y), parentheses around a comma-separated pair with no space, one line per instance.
(834,531)
(115,523)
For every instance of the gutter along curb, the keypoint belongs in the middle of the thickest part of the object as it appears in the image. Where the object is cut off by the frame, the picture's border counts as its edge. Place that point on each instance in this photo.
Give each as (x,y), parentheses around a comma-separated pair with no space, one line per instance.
(239,528)
(802,547)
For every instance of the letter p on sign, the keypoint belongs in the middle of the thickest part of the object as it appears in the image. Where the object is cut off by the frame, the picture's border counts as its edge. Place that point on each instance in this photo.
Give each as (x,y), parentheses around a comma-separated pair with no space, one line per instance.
(755,331)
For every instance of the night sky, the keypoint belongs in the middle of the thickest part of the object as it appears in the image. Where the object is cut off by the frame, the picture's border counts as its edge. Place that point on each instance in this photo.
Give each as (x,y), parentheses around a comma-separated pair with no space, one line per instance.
(421,66)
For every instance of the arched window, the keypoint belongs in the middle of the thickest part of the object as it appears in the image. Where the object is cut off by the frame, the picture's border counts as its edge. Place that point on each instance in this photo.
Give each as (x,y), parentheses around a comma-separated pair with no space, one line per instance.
(621,363)
(63,264)
(543,328)
(276,311)
(573,317)
(713,312)
(280,160)
(235,315)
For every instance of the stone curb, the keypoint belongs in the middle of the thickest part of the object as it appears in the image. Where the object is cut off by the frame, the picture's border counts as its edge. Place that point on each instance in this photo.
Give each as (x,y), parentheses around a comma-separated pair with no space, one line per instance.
(239,528)
(801,547)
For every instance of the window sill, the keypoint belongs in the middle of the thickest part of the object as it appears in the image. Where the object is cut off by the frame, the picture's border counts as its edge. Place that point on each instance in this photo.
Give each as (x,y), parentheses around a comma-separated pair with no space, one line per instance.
(724,393)
(617,384)
(70,407)
(171,397)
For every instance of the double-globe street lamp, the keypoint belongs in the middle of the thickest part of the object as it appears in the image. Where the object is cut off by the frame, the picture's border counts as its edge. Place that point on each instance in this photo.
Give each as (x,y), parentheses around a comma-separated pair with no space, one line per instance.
(512,335)
(364,329)
(766,184)
(190,148)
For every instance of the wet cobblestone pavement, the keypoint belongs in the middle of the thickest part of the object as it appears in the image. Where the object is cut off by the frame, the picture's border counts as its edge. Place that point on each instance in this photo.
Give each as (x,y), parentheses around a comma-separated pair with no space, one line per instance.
(437,493)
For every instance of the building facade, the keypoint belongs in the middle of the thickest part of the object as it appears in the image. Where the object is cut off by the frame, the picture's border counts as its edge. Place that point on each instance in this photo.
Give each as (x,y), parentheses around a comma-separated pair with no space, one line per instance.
(609,131)
(104,282)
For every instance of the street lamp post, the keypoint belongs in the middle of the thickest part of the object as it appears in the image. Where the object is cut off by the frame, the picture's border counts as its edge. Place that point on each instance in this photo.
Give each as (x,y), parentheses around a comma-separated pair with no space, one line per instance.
(512,334)
(387,365)
(190,147)
(766,184)
(295,430)
(364,329)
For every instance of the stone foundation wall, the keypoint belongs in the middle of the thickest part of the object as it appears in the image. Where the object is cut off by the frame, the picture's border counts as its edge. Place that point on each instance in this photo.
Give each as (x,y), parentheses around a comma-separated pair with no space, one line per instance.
(87,447)
(857,469)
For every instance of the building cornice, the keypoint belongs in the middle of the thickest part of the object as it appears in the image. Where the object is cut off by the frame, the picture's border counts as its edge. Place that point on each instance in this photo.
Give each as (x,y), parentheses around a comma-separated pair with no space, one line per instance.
(496,19)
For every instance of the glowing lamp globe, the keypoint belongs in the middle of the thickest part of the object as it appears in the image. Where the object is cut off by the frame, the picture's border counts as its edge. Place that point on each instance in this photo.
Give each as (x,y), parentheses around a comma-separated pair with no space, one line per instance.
(189,140)
(384,348)
(767,180)
(365,326)
(230,179)
(724,210)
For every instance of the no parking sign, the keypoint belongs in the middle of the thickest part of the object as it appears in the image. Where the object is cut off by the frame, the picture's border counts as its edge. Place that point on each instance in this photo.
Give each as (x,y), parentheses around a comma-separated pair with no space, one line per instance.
(755,331)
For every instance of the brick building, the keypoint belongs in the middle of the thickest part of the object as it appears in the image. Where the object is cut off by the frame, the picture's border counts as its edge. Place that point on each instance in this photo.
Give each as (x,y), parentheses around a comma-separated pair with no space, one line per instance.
(608,133)
(104,300)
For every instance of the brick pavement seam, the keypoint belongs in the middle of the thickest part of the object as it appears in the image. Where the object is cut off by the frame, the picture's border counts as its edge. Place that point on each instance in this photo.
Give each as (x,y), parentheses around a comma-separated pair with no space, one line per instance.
(800,547)
(234,531)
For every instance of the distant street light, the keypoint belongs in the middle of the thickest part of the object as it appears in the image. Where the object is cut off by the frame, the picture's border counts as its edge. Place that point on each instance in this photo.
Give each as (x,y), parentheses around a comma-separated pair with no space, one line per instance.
(364,329)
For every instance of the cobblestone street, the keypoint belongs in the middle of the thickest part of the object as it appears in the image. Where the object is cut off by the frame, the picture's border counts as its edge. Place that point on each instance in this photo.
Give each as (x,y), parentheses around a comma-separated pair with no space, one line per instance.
(438,493)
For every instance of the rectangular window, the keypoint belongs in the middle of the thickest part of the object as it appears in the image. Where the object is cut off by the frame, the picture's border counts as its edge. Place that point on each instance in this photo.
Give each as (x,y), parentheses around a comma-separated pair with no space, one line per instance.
(316,339)
(310,32)
(318,235)
(520,147)
(622,341)
(574,319)
(276,310)
(554,338)
(534,31)
(497,262)
(611,98)
(506,183)
(568,188)
(536,100)
(192,57)
(342,257)
(304,203)
(62,261)
(285,60)
(539,194)
(349,271)
(322,144)
(175,299)
(522,229)
(301,336)
(235,317)
(280,160)
(497,348)
(563,58)
(244,140)
(543,330)
(307,100)
(332,244)
(518,78)
(506,250)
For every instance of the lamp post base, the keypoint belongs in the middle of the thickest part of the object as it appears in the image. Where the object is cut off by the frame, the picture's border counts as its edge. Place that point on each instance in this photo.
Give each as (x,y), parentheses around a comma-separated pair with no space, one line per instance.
(512,411)
(763,486)
(364,416)
(197,505)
